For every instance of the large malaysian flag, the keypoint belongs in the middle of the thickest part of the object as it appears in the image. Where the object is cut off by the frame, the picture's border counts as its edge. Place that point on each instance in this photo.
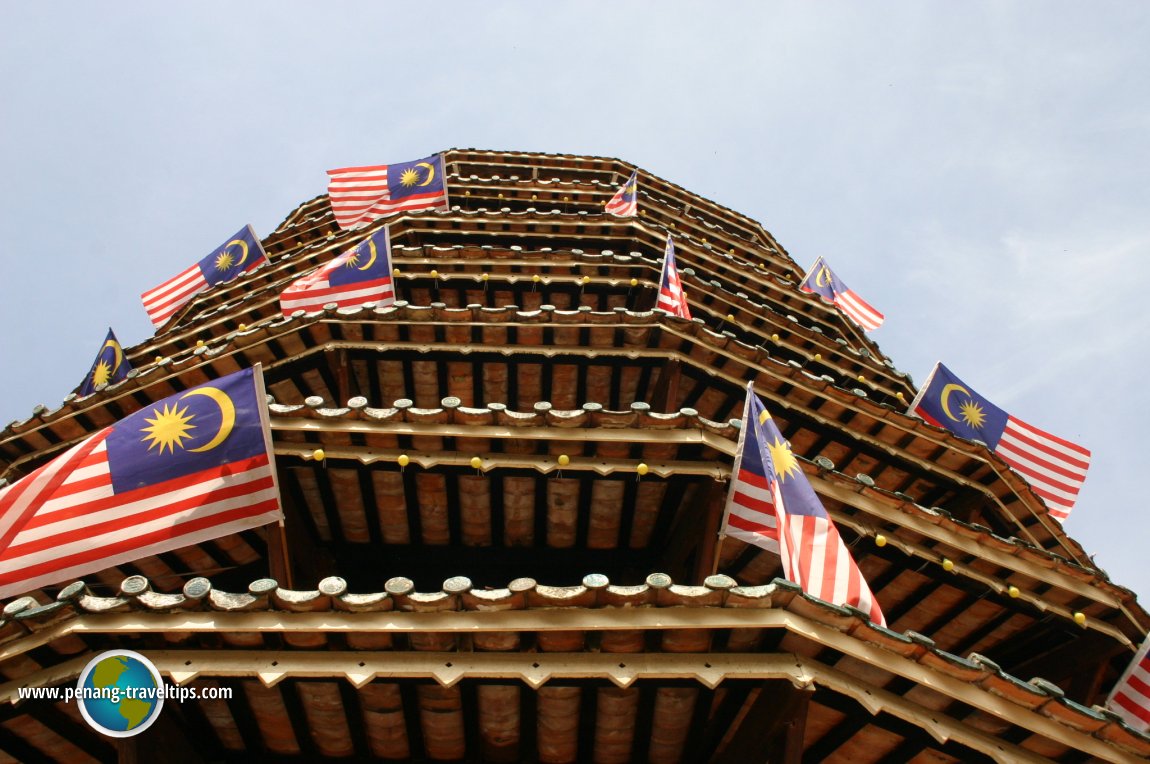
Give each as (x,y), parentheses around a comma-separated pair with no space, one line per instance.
(191,467)
(1054,468)
(771,504)
(360,195)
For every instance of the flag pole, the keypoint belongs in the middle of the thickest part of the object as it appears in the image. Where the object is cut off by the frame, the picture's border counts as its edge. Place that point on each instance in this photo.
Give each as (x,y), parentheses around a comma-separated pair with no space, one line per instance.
(708,559)
(279,560)
(717,554)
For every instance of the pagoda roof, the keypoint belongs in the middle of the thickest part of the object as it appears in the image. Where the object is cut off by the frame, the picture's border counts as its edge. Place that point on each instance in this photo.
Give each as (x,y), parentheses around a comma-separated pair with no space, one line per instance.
(655,635)
(521,414)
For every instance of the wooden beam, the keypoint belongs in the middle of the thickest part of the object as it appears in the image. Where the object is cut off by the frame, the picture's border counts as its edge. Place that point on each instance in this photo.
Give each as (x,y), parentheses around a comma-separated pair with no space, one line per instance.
(165,742)
(689,534)
(666,390)
(711,669)
(771,731)
(337,361)
(23,751)
(1069,659)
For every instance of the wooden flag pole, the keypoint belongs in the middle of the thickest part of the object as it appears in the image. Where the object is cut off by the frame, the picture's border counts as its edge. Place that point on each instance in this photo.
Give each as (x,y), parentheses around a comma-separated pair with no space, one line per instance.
(279,561)
(717,554)
(708,560)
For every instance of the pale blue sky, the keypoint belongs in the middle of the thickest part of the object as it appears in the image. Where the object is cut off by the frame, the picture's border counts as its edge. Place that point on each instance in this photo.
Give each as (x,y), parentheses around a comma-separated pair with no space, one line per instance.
(978,171)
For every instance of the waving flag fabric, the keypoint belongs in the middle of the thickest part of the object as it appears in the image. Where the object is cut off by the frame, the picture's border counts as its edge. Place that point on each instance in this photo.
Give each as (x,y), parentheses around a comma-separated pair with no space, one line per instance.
(821,280)
(1130,698)
(192,467)
(360,195)
(110,366)
(772,505)
(1054,468)
(355,277)
(671,297)
(625,202)
(239,254)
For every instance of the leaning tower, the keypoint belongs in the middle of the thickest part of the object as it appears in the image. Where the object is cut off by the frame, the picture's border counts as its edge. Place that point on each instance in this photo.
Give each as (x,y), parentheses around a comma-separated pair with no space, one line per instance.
(503,497)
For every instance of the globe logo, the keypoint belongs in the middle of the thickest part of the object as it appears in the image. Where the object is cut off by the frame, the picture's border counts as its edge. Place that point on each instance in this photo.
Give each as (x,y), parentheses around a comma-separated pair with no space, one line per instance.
(120,693)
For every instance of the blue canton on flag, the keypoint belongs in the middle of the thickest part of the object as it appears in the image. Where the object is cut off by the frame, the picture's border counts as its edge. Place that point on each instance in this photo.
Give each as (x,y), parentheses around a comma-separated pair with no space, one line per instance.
(110,366)
(238,254)
(771,504)
(945,401)
(204,428)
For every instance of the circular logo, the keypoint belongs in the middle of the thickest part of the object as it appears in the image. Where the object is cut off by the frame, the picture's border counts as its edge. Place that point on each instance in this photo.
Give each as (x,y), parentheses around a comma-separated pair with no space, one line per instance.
(120,693)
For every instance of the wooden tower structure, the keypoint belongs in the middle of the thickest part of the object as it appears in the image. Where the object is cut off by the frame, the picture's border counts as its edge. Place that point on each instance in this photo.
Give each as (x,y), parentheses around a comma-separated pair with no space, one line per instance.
(477,570)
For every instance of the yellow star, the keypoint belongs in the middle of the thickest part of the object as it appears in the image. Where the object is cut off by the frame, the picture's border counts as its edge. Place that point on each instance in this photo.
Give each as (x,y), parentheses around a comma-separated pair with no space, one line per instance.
(972,414)
(409,177)
(169,429)
(352,260)
(786,465)
(102,373)
(224,260)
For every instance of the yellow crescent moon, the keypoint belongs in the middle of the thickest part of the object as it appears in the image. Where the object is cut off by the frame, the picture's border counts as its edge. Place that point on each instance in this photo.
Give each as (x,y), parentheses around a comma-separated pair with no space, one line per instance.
(430,173)
(823,277)
(946,391)
(243,245)
(119,354)
(371,260)
(227,411)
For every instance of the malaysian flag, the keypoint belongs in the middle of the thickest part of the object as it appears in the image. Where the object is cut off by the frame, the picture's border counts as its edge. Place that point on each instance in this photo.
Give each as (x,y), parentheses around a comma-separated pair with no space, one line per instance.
(110,366)
(625,202)
(1130,698)
(360,195)
(239,254)
(671,297)
(192,467)
(769,492)
(1054,468)
(356,277)
(821,280)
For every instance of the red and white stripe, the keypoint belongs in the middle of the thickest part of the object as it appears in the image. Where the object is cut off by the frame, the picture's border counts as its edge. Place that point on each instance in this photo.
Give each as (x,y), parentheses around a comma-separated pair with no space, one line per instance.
(19,501)
(162,302)
(751,510)
(83,526)
(815,557)
(619,205)
(1130,698)
(66,519)
(671,297)
(812,552)
(313,291)
(1054,468)
(860,310)
(360,195)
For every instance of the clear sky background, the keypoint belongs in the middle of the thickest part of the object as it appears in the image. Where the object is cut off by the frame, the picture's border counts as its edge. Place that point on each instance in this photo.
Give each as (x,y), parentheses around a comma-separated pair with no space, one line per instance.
(977,171)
